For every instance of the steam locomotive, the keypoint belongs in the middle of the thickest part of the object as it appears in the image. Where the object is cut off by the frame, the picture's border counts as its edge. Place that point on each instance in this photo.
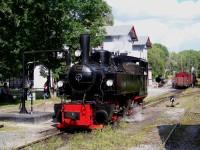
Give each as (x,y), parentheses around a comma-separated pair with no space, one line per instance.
(102,87)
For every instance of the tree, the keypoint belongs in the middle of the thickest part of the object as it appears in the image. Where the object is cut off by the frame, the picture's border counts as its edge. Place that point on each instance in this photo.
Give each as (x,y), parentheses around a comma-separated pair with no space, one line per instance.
(184,61)
(188,59)
(166,63)
(172,64)
(157,57)
(47,25)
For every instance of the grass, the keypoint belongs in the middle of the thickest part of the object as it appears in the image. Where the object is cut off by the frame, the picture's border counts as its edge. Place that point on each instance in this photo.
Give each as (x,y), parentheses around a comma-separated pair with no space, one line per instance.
(105,139)
(8,126)
(156,98)
(192,105)
(125,137)
(198,83)
(52,144)
(109,138)
(190,118)
(15,106)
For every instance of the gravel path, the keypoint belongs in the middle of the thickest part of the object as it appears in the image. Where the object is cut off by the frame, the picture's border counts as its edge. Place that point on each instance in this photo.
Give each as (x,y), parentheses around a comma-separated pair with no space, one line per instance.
(159,91)
(17,134)
(24,133)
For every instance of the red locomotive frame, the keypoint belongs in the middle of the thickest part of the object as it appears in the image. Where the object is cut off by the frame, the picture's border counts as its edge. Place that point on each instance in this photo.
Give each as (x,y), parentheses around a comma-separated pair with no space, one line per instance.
(82,115)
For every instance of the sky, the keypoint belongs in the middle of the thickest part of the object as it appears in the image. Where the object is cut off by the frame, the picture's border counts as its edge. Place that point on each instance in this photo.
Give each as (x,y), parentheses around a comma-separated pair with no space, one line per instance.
(173,23)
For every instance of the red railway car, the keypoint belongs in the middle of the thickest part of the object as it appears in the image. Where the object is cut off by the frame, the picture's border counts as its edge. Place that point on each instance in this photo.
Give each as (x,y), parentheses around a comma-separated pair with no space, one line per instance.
(183,80)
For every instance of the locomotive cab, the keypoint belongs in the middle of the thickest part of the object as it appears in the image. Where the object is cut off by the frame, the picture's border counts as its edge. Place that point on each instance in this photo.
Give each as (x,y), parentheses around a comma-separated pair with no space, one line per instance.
(102,57)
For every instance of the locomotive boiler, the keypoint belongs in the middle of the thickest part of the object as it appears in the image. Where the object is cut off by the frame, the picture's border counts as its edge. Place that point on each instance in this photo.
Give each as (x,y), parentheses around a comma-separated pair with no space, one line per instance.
(102,88)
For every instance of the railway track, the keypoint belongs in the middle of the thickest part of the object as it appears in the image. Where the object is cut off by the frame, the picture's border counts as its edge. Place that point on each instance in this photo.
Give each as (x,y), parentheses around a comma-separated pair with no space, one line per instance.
(180,128)
(175,126)
(178,94)
(47,135)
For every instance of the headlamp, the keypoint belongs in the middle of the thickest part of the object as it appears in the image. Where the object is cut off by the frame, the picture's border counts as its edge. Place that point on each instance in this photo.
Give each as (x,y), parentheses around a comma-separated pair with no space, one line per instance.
(60,84)
(109,82)
(77,53)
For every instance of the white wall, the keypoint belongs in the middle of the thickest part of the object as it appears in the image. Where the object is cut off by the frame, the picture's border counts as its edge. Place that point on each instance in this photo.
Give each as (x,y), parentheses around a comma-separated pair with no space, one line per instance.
(140,51)
(39,80)
(150,77)
(135,53)
(123,44)
(145,54)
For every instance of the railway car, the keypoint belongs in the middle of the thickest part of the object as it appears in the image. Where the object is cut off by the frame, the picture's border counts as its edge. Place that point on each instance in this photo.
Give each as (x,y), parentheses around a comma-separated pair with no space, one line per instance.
(102,88)
(183,80)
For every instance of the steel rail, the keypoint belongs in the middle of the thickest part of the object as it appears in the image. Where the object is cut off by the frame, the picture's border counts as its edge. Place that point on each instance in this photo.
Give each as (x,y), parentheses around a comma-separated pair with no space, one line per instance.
(170,134)
(178,95)
(148,105)
(39,140)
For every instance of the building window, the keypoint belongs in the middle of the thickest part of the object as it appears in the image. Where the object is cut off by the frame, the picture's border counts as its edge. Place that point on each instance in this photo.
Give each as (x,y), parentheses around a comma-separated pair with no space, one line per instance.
(108,39)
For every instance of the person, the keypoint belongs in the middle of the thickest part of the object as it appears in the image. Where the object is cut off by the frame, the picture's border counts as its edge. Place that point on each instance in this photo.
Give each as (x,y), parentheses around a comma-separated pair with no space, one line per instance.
(29,90)
(46,91)
(54,88)
(172,99)
(5,90)
(6,94)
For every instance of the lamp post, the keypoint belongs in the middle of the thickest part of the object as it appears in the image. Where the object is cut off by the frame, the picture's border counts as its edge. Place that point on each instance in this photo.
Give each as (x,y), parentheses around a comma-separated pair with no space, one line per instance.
(23,107)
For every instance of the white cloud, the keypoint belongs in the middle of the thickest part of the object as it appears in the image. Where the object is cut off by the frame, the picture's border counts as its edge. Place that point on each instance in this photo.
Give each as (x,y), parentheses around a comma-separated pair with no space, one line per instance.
(166,21)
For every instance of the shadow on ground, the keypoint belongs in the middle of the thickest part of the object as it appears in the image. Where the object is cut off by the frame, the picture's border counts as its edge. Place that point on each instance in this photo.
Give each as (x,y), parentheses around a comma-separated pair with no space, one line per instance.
(184,137)
(4,103)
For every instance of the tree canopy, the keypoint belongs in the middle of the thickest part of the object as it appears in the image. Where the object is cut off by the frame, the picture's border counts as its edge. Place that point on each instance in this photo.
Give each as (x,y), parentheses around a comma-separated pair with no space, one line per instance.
(184,61)
(164,62)
(47,25)
(157,57)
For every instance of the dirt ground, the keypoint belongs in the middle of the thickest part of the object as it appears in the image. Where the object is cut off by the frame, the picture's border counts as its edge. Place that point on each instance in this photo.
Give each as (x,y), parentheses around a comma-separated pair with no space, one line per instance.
(153,91)
(153,122)
(186,136)
(15,134)
(42,106)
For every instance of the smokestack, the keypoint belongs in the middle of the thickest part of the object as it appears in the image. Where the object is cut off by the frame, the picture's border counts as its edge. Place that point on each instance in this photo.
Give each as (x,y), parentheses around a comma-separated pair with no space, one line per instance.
(85,47)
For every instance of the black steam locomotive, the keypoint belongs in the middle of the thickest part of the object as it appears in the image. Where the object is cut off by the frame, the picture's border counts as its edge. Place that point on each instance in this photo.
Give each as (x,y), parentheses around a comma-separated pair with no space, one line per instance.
(102,87)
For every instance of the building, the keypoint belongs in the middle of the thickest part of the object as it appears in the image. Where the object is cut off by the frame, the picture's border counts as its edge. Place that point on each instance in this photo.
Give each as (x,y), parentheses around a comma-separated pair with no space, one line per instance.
(119,39)
(140,47)
(39,80)
(124,40)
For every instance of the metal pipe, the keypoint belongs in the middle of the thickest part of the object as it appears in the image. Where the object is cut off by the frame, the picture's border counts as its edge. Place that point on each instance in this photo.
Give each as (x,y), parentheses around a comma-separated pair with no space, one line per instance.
(85,47)
(31,102)
(23,108)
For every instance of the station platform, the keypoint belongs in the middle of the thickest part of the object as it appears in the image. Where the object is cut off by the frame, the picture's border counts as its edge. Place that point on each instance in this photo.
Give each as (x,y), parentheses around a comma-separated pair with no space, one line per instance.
(35,117)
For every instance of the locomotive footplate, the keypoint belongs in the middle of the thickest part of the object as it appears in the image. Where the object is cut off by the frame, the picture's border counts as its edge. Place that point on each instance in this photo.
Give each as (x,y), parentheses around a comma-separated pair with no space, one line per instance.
(78,115)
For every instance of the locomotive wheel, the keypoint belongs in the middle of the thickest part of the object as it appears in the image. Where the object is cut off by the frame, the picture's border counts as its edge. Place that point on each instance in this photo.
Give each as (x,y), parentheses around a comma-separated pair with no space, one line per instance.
(127,108)
(115,124)
(173,86)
